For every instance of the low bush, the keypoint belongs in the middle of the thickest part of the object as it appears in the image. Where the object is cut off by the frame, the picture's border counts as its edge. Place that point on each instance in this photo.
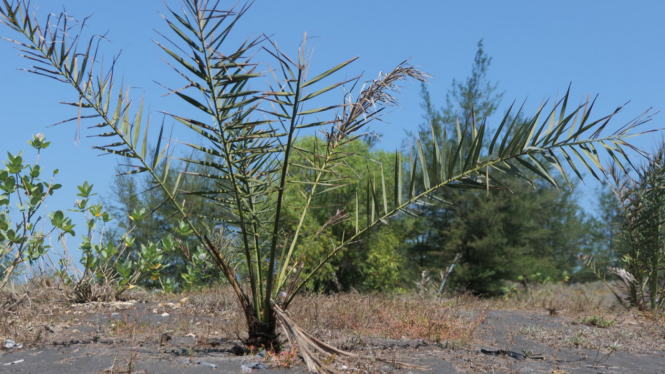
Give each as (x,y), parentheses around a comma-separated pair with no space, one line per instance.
(24,232)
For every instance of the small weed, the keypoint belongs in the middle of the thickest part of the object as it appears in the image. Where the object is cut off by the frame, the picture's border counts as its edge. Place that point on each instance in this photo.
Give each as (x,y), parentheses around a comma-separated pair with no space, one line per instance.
(613,348)
(526,330)
(284,359)
(596,321)
(579,340)
(329,360)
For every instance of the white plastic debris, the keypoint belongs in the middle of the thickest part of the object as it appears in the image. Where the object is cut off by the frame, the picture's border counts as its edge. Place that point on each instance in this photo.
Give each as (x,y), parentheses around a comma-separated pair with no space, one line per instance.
(13,363)
(248,368)
(10,344)
(113,304)
(213,366)
(202,363)
(164,314)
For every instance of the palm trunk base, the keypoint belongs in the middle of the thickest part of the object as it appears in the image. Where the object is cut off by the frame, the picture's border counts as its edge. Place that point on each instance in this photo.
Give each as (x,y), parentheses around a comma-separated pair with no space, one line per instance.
(263,334)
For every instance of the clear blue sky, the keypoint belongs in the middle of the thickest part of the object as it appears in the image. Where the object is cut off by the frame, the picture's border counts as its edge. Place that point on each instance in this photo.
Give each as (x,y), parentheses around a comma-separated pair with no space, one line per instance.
(613,48)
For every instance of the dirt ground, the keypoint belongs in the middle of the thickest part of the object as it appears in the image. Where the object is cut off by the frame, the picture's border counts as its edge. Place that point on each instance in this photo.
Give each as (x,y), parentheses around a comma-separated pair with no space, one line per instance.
(180,337)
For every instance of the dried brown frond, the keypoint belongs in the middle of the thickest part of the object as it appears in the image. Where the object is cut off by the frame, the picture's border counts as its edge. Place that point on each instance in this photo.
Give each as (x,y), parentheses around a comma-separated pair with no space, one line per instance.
(312,349)
(379,91)
(372,100)
(624,276)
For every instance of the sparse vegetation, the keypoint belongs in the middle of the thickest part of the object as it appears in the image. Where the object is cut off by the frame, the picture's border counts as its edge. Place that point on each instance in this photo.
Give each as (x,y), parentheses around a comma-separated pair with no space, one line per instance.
(207,322)
(23,238)
(596,321)
(109,268)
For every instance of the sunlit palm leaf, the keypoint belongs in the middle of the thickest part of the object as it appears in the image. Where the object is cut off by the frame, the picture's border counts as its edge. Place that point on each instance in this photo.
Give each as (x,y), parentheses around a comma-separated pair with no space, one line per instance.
(524,145)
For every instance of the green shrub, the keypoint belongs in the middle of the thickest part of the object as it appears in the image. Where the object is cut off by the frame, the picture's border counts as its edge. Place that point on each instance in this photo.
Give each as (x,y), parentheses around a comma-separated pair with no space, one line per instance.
(110,268)
(22,239)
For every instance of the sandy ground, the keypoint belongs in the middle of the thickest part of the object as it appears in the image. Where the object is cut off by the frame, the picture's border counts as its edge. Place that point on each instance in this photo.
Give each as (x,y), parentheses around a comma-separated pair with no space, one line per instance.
(162,338)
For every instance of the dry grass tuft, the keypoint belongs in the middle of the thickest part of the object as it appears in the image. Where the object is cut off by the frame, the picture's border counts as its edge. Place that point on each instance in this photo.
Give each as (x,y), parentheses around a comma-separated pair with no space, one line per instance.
(572,299)
(382,316)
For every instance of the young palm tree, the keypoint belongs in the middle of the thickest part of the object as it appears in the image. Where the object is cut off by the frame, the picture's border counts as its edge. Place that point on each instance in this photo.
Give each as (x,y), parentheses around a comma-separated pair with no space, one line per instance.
(251,134)
(639,245)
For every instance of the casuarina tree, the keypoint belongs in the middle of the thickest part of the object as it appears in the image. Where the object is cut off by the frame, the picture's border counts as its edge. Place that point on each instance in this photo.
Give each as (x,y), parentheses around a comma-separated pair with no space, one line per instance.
(519,231)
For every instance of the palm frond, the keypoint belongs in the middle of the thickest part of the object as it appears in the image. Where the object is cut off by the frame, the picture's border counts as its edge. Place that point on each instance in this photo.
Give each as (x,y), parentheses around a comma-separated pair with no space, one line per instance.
(539,147)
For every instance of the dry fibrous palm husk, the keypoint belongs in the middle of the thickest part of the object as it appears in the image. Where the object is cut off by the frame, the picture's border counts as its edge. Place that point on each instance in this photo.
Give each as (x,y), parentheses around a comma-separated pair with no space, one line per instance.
(313,349)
